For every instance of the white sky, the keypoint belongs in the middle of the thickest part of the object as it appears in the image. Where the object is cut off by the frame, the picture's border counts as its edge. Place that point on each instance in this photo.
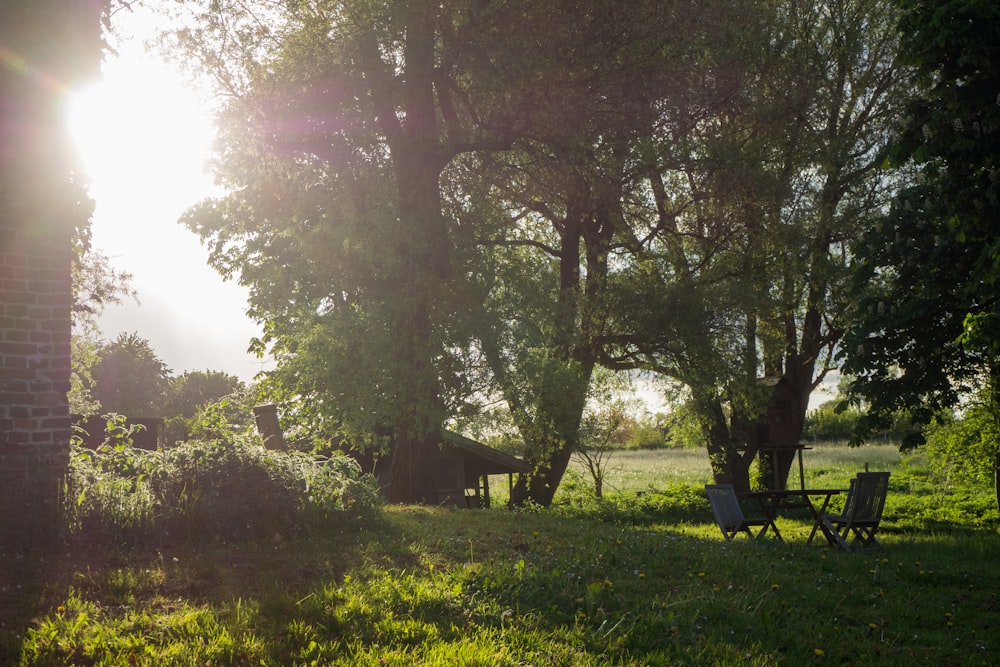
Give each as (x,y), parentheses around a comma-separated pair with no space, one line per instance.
(146,135)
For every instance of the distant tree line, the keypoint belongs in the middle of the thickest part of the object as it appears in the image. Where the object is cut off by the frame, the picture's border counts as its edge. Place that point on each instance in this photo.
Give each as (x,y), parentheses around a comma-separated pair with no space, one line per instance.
(126,377)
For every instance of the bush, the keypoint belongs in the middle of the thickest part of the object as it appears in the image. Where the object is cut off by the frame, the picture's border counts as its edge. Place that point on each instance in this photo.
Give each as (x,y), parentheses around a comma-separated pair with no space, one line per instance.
(827,424)
(962,451)
(648,434)
(209,490)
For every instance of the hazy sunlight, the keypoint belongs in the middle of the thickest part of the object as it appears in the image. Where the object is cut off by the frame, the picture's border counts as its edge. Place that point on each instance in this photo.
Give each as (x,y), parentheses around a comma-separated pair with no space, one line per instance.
(143,135)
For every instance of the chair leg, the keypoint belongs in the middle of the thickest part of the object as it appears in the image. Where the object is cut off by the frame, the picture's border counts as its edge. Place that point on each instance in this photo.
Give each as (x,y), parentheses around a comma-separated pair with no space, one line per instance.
(833,535)
(865,537)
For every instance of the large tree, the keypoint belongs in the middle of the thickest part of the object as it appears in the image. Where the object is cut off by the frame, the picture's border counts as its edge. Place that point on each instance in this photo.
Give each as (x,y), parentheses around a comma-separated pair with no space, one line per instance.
(927,324)
(754,212)
(129,378)
(340,119)
(552,224)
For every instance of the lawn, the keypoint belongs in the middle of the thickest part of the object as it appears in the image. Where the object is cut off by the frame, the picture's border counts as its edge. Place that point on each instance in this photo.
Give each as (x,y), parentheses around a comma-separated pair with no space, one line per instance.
(640,579)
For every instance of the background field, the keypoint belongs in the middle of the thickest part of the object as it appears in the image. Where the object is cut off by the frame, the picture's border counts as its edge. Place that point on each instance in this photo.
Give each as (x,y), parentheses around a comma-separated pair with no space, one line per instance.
(630,471)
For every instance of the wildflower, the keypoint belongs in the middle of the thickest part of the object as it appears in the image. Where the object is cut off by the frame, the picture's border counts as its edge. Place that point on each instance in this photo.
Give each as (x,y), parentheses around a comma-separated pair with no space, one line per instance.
(873,626)
(818,652)
(775,587)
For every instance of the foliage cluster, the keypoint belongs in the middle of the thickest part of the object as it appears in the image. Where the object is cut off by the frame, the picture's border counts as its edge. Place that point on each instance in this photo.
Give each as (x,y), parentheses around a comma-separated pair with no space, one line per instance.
(965,448)
(212,489)
(126,376)
(924,331)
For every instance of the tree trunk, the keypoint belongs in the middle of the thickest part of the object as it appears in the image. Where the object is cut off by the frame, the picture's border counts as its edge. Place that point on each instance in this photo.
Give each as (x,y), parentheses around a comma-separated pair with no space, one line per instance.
(996,477)
(563,393)
(786,415)
(555,437)
(729,466)
(423,247)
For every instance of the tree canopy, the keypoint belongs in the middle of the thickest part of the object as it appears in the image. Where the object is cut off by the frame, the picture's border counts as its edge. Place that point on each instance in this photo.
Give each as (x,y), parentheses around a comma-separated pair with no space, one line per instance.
(129,378)
(435,207)
(926,328)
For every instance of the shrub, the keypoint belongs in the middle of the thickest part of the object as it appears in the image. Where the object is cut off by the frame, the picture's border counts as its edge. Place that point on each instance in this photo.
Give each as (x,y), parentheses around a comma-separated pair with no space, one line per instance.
(648,435)
(209,490)
(963,450)
(827,424)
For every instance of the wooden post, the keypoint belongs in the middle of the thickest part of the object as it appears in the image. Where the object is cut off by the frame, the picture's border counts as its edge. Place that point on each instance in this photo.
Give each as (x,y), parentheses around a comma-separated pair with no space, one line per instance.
(266,419)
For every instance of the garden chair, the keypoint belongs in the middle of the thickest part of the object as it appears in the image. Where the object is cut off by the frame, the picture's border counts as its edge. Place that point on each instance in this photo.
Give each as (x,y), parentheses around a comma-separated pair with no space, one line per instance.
(859,521)
(729,514)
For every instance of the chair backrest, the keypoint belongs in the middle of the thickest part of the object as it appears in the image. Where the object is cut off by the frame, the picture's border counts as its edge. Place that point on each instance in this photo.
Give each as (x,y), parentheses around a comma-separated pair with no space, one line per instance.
(725,505)
(866,497)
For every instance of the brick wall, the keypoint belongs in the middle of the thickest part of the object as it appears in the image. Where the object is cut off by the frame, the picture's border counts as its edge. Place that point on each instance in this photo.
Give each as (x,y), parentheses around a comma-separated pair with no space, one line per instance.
(35,295)
(45,47)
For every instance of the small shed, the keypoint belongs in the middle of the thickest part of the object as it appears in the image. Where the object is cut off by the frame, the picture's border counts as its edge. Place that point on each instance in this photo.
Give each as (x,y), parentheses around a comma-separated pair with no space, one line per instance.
(464,468)
(461,473)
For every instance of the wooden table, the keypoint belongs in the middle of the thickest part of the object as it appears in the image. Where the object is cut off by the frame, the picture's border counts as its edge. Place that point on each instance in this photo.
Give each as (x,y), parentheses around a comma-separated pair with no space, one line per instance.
(772,502)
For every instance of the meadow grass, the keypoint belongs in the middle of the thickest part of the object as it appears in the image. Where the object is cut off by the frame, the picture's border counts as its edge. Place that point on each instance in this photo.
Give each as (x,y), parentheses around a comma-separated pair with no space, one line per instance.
(632,580)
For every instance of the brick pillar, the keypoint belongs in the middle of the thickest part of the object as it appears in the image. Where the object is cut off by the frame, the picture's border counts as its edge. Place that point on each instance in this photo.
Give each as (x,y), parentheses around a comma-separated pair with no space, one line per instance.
(46,46)
(35,298)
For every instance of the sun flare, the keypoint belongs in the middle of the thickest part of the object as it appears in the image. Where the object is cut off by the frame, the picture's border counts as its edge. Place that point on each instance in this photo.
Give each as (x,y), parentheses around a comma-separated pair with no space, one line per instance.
(143,134)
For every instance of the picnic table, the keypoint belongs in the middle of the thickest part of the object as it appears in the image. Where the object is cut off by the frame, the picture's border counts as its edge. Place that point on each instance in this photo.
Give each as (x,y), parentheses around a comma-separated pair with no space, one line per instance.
(773,502)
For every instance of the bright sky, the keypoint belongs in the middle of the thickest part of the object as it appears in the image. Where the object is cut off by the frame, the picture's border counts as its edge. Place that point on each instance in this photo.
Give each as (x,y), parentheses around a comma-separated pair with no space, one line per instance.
(144,133)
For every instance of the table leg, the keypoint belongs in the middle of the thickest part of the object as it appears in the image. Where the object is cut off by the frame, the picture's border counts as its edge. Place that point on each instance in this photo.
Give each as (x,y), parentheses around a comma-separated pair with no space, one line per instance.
(817,515)
(770,511)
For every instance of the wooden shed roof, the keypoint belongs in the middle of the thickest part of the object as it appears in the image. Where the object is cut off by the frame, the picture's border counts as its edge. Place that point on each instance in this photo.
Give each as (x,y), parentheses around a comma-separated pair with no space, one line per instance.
(489,461)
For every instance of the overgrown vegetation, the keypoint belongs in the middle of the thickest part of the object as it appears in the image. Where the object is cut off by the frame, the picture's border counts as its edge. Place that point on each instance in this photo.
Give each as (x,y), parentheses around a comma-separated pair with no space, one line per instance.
(219,490)
(633,579)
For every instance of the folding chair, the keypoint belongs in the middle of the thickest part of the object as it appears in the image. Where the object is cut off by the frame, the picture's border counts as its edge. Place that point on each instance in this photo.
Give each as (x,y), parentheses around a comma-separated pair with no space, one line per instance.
(729,514)
(862,513)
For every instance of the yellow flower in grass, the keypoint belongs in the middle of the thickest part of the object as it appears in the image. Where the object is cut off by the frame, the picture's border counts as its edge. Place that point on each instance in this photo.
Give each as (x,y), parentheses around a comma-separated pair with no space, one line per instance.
(873,626)
(818,652)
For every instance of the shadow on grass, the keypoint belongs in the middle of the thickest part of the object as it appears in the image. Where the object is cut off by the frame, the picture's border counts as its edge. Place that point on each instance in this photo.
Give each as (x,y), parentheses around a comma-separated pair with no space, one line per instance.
(548,583)
(35,582)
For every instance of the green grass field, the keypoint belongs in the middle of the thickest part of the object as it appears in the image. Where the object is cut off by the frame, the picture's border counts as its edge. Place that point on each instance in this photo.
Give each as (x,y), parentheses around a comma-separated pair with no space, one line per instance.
(634,580)
(826,465)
